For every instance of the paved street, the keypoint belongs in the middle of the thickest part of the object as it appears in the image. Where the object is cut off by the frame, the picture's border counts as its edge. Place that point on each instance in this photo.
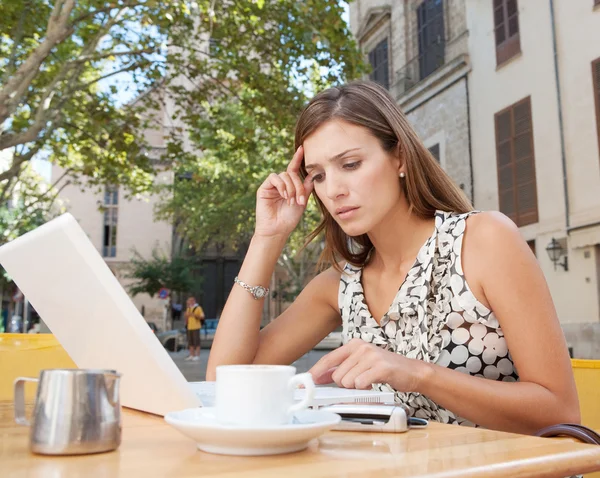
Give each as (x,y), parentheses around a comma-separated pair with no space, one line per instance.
(196,371)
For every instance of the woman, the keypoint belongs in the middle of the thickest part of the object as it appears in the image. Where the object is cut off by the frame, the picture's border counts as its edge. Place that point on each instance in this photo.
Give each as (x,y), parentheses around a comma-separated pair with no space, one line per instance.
(464,287)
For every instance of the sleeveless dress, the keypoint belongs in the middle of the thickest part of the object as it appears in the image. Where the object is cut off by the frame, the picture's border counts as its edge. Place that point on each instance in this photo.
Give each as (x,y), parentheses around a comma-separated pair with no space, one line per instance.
(434,317)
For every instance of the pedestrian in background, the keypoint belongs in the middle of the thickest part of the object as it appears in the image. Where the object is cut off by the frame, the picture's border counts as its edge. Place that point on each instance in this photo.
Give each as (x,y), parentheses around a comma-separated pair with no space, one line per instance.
(194,318)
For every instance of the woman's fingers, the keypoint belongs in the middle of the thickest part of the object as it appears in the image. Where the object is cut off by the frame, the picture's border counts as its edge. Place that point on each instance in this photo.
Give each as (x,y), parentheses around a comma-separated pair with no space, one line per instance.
(290,189)
(277,183)
(289,184)
(299,187)
(296,162)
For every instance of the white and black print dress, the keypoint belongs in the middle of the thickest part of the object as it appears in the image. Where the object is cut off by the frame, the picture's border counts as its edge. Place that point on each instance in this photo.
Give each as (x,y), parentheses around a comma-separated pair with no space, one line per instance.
(434,317)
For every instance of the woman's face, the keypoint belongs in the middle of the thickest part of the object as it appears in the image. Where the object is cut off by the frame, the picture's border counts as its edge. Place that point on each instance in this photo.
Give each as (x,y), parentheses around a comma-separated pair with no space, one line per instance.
(354,177)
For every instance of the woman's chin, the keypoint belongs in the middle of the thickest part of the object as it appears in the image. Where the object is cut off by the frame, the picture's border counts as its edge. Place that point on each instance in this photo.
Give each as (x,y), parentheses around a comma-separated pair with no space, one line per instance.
(354,230)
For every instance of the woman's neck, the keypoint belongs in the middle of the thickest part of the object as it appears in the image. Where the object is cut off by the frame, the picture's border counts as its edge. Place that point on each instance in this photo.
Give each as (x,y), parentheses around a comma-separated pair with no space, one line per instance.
(398,238)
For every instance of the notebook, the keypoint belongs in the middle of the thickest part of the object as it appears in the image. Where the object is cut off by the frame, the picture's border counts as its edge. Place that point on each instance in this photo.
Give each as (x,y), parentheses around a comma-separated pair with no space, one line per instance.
(324,395)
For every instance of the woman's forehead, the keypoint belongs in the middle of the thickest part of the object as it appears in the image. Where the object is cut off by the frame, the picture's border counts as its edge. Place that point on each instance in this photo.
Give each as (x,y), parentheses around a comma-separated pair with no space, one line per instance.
(333,138)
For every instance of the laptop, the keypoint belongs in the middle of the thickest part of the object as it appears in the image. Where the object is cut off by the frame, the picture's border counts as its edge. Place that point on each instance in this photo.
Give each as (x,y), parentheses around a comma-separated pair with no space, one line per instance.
(75,293)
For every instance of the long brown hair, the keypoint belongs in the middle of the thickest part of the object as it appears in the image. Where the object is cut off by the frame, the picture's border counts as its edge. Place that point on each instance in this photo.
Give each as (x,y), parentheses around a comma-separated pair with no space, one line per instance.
(426,186)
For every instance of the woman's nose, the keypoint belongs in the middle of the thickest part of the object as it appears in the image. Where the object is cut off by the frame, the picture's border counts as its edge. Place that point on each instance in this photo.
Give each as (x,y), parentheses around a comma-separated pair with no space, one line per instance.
(335,187)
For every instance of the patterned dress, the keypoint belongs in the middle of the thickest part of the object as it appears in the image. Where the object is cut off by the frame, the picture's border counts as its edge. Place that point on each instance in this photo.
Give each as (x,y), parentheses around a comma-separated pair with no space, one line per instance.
(434,317)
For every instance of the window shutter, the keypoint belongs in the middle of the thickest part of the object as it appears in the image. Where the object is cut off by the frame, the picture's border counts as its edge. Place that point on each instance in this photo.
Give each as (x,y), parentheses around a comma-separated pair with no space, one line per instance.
(516,163)
(596,85)
(431,36)
(506,28)
(506,184)
(379,60)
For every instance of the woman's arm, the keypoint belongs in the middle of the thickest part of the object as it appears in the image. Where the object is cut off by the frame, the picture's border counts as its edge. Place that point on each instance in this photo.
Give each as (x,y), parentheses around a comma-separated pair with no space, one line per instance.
(236,338)
(280,203)
(306,322)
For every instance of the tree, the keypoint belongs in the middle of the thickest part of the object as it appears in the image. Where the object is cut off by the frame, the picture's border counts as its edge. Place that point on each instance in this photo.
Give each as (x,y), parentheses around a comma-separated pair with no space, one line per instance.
(213,197)
(231,75)
(150,275)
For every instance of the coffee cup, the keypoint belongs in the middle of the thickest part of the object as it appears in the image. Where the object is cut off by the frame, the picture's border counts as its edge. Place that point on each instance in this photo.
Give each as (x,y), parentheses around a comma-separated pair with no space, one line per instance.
(260,395)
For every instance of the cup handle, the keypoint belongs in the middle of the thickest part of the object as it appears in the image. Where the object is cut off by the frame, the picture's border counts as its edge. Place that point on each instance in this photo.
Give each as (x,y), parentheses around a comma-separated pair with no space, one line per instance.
(306,380)
(20,399)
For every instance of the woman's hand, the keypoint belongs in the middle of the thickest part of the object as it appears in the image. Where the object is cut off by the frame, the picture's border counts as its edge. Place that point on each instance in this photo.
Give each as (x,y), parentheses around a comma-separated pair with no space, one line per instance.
(281,200)
(359,364)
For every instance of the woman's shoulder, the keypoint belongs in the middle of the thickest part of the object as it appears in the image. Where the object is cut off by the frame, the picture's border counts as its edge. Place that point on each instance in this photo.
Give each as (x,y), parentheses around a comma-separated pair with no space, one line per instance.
(327,280)
(491,225)
(491,236)
(324,286)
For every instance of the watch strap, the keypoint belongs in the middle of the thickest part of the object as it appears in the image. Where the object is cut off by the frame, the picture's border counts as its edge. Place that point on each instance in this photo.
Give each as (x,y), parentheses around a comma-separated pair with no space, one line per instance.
(258,291)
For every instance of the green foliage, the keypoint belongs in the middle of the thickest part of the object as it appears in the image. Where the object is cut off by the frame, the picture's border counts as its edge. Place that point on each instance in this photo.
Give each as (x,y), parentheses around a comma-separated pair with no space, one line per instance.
(30,207)
(232,76)
(150,275)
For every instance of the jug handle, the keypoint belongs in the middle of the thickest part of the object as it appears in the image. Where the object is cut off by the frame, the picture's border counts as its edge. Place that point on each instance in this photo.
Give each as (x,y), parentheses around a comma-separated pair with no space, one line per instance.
(20,399)
(113,390)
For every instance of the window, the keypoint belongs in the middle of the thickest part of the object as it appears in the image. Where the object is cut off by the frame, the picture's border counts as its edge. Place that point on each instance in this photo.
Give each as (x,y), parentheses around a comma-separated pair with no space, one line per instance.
(506,27)
(111,205)
(378,58)
(596,86)
(435,151)
(432,41)
(516,164)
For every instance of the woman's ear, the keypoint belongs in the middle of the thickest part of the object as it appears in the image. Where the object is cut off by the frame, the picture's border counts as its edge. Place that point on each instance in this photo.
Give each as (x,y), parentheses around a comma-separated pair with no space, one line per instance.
(399,159)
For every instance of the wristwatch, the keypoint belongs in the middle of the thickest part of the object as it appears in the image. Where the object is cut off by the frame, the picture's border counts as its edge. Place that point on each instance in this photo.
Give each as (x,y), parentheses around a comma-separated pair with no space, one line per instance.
(257,291)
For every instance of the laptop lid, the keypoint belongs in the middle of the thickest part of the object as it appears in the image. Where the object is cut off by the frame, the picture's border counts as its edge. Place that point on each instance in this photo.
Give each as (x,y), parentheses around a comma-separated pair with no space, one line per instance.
(75,293)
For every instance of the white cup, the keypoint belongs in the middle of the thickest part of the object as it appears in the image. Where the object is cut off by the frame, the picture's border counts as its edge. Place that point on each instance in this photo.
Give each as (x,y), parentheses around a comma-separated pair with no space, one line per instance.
(260,395)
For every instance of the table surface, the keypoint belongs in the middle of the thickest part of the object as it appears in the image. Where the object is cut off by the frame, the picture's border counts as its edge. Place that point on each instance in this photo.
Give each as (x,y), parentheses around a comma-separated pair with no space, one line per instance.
(151,448)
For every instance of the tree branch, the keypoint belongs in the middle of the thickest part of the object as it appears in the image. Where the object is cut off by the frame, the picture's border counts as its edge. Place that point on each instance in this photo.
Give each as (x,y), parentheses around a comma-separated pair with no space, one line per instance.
(45,210)
(18,35)
(41,119)
(14,167)
(57,31)
(130,67)
(22,158)
(7,190)
(91,57)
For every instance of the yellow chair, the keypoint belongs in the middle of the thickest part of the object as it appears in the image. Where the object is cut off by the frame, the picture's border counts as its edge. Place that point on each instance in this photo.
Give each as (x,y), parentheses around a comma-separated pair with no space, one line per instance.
(587,379)
(24,355)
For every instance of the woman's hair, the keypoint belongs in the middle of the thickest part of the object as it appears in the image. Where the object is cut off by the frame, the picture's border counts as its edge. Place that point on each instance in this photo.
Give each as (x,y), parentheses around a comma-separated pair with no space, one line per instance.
(426,185)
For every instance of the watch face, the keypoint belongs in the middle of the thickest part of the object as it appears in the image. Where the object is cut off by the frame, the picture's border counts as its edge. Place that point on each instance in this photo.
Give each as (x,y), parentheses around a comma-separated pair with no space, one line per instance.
(260,292)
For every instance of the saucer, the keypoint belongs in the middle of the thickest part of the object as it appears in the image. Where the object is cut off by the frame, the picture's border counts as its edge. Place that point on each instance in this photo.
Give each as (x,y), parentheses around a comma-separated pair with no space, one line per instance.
(201,425)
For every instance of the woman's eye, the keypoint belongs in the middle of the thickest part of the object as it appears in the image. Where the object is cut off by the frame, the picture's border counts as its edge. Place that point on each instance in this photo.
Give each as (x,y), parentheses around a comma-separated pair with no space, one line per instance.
(353,165)
(317,178)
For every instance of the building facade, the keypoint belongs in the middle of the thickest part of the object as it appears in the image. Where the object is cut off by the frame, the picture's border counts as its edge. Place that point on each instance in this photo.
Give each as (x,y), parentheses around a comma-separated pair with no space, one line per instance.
(509,91)
(419,52)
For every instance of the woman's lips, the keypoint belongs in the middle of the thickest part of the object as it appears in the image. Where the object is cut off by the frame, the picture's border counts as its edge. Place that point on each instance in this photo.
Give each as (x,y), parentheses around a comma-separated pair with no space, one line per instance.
(346,212)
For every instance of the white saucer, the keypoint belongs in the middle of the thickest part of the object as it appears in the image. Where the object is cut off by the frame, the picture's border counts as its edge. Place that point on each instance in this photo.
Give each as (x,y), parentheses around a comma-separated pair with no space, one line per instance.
(211,436)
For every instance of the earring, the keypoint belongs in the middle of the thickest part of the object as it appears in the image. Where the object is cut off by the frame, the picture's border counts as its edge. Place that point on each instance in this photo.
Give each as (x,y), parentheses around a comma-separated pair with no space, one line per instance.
(402,174)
